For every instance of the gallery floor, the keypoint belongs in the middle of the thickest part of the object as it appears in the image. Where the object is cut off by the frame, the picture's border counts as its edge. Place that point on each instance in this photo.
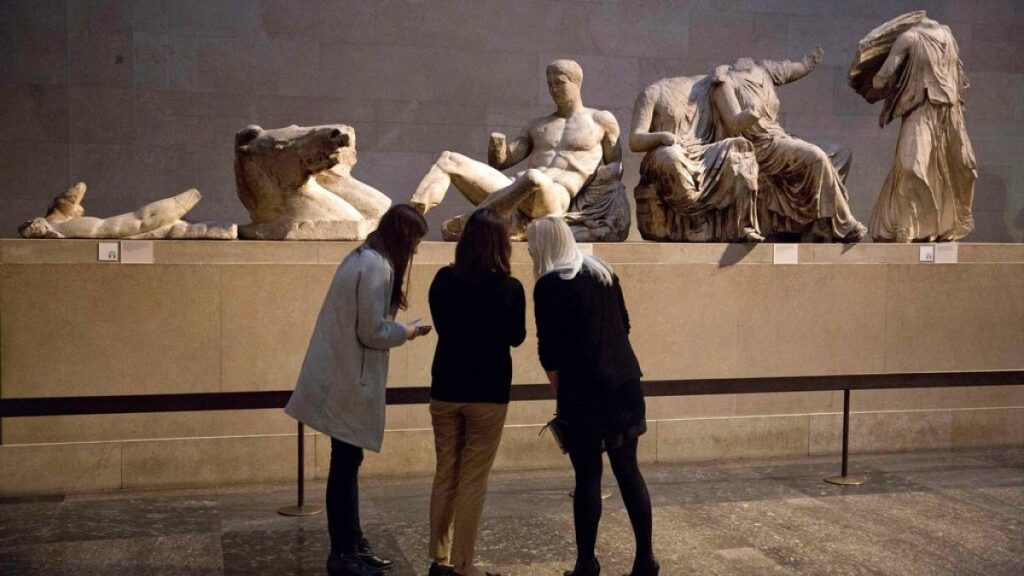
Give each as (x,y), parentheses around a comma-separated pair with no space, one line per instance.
(934,512)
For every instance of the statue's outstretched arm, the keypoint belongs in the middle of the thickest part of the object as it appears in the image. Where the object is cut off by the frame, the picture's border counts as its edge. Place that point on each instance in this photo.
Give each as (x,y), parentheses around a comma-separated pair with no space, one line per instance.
(786,71)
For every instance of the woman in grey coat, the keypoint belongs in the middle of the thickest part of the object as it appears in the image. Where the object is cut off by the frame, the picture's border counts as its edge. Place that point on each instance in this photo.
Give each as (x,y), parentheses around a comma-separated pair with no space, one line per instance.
(340,390)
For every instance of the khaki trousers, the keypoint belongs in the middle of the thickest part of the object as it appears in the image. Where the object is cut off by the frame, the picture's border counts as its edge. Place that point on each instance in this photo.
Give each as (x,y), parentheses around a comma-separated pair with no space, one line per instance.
(466,438)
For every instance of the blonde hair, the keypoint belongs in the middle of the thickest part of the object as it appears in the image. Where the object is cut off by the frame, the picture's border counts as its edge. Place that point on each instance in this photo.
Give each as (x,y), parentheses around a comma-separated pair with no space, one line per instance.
(553,249)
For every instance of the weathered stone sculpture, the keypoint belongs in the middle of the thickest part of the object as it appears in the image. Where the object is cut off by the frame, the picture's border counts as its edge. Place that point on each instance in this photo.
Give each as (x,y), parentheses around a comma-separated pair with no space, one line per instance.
(160,220)
(799,188)
(691,188)
(573,169)
(913,62)
(296,183)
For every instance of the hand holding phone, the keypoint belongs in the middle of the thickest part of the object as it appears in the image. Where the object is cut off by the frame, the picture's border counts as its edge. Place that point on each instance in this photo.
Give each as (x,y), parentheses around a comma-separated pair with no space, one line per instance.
(422,330)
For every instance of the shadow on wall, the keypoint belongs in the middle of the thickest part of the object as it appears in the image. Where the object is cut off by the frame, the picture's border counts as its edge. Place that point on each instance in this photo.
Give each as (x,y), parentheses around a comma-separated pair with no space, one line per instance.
(992,220)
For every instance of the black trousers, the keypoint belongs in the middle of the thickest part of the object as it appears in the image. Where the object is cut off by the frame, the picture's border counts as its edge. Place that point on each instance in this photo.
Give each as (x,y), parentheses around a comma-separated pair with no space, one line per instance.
(343,497)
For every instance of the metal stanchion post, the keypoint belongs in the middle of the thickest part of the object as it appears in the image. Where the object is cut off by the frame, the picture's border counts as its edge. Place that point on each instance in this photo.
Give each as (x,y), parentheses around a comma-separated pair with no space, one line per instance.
(844,479)
(301,509)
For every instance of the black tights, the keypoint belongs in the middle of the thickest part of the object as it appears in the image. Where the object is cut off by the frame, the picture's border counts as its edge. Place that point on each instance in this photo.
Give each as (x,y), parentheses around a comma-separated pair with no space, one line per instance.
(586,505)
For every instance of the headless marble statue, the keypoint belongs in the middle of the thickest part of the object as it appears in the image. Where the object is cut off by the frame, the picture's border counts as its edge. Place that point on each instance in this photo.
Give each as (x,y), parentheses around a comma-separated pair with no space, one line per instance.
(799,187)
(159,220)
(913,62)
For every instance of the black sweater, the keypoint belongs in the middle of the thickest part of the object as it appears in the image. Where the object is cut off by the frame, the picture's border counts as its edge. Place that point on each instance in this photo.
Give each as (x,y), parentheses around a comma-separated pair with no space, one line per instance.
(476,323)
(583,333)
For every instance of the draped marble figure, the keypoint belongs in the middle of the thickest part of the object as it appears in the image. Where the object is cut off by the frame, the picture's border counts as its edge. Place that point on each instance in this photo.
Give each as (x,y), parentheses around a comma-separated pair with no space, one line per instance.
(573,169)
(799,187)
(691,188)
(913,62)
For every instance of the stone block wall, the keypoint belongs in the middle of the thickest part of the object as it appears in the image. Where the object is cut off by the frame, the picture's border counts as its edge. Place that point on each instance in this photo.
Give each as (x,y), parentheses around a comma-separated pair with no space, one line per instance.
(221,317)
(140,99)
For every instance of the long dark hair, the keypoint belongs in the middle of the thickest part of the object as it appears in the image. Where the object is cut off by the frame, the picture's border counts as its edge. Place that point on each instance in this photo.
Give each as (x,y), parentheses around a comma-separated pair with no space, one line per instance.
(484,248)
(395,238)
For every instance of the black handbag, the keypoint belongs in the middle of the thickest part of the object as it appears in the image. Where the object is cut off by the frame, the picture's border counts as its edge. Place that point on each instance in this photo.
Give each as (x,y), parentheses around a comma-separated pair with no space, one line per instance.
(559,430)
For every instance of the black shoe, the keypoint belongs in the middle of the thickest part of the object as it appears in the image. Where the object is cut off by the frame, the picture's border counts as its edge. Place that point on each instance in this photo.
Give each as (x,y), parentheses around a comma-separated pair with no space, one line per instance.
(650,570)
(366,554)
(592,568)
(439,570)
(349,565)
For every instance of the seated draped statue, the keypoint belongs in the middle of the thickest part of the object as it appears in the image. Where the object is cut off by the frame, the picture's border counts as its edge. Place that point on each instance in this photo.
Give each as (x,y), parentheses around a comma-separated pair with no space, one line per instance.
(573,169)
(691,188)
(913,63)
(297,184)
(159,220)
(800,189)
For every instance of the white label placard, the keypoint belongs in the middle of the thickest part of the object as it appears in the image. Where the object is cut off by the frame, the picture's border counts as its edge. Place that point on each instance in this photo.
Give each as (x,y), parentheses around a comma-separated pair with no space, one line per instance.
(946,253)
(586,248)
(108,251)
(927,254)
(136,252)
(785,254)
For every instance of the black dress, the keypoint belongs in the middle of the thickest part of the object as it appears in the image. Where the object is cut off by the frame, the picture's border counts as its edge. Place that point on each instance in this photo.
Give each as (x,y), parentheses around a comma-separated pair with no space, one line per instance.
(583,333)
(476,322)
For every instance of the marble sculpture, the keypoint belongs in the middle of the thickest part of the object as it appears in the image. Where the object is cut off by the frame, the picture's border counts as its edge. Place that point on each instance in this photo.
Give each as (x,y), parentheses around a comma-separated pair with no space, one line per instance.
(800,188)
(297,184)
(159,220)
(573,168)
(913,63)
(691,188)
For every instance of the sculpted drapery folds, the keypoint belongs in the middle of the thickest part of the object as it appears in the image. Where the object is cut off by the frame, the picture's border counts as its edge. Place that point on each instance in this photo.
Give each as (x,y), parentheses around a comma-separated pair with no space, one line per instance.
(913,62)
(799,187)
(691,188)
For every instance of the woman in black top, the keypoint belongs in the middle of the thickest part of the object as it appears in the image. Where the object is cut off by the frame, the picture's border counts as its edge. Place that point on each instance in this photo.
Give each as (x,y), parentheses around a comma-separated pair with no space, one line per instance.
(479,311)
(583,343)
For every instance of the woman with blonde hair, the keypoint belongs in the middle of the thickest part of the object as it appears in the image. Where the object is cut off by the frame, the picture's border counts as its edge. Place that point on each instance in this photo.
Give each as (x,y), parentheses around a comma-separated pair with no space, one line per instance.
(583,343)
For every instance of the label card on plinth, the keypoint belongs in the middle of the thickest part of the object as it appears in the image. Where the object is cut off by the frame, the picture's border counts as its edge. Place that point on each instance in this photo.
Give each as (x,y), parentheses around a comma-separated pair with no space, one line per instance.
(786,254)
(108,251)
(586,248)
(136,251)
(927,254)
(946,253)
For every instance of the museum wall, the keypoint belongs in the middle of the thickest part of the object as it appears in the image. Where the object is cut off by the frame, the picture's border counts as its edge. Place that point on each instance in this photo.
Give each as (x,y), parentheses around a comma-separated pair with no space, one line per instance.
(141,99)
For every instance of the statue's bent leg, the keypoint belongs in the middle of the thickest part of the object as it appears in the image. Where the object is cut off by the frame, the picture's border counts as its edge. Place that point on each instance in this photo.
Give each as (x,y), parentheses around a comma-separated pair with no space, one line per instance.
(475,180)
(545,196)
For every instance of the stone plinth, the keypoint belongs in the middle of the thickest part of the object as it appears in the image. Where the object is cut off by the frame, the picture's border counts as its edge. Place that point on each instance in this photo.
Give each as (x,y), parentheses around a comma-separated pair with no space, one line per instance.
(209,317)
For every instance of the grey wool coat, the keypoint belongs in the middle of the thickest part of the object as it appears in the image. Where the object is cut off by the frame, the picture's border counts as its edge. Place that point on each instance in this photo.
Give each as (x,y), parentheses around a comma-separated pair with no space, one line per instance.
(340,390)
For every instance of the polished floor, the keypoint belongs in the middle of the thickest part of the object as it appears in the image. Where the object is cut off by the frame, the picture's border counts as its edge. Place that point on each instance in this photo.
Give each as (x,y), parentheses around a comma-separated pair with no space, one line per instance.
(936,512)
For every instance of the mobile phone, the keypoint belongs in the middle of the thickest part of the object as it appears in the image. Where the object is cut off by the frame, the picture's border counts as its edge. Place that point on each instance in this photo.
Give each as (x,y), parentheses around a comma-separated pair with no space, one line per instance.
(423,329)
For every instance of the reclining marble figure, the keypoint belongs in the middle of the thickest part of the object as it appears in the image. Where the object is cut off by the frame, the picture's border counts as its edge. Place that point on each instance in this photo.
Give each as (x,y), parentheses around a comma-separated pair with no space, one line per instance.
(800,188)
(692,188)
(913,63)
(297,184)
(573,169)
(159,220)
